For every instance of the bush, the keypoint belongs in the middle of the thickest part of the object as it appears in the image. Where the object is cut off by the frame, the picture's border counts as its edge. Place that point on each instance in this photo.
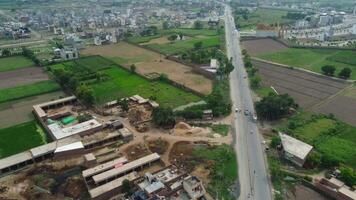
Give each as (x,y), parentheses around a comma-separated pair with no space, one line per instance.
(345,73)
(348,175)
(276,140)
(328,70)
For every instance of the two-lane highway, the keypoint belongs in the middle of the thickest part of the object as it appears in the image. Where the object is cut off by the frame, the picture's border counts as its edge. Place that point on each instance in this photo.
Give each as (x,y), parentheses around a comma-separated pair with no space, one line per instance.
(252,169)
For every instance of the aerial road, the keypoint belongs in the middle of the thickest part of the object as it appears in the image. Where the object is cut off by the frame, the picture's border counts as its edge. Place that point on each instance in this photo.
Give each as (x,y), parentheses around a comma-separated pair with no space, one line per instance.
(252,168)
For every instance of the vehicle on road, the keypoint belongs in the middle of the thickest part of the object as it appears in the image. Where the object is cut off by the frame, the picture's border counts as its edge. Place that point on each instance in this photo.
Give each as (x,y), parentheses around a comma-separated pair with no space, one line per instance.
(254,117)
(246,112)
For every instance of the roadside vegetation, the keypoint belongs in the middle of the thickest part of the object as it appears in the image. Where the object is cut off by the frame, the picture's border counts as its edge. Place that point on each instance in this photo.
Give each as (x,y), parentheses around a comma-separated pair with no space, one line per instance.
(21,137)
(223,165)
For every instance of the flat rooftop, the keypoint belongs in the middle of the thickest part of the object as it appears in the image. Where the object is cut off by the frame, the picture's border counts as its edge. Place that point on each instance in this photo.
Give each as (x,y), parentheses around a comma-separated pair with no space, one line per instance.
(15,159)
(103,167)
(41,113)
(294,146)
(58,132)
(125,168)
(111,185)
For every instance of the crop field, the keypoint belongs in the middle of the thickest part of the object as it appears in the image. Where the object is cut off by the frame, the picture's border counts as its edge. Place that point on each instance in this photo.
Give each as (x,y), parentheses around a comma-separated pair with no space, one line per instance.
(22,76)
(262,46)
(21,137)
(263,16)
(14,62)
(306,89)
(148,62)
(22,91)
(310,59)
(122,83)
(182,46)
(164,33)
(20,111)
(317,131)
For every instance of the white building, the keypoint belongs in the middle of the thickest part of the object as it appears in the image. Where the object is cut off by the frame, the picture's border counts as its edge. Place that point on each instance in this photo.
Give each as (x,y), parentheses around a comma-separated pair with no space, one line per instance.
(295,150)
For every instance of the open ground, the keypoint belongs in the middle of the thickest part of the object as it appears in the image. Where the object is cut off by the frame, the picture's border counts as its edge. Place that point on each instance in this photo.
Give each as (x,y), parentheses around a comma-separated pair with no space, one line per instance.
(20,111)
(22,76)
(148,62)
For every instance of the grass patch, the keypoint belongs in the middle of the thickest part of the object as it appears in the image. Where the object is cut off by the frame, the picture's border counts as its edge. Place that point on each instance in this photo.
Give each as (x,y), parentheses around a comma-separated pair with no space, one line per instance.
(264,91)
(263,16)
(23,91)
(223,169)
(222,129)
(14,62)
(329,136)
(18,138)
(314,59)
(182,46)
(123,84)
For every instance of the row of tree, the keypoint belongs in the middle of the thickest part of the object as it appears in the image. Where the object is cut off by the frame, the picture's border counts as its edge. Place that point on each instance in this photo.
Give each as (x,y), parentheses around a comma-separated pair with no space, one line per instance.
(255,79)
(329,70)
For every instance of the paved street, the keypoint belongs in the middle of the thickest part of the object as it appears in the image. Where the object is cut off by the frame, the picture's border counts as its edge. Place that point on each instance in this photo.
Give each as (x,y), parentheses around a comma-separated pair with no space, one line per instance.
(252,169)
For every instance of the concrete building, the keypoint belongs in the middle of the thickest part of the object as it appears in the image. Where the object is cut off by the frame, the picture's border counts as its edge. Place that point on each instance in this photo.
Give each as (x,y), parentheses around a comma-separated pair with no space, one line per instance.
(69,53)
(194,187)
(295,150)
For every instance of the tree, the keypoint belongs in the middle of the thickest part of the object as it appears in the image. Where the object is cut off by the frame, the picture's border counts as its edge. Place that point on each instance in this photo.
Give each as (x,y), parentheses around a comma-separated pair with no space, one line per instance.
(163,117)
(276,140)
(127,186)
(133,68)
(198,45)
(328,70)
(314,159)
(124,104)
(274,107)
(165,25)
(345,73)
(6,52)
(198,25)
(348,175)
(255,82)
(172,37)
(86,94)
(84,117)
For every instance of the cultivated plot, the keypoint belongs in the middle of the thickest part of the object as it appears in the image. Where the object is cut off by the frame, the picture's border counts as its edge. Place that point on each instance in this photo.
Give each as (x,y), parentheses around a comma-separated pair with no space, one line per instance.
(148,62)
(307,89)
(22,76)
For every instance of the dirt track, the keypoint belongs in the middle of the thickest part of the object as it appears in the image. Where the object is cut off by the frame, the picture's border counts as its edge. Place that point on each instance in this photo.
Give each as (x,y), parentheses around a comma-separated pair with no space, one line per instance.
(22,76)
(261,46)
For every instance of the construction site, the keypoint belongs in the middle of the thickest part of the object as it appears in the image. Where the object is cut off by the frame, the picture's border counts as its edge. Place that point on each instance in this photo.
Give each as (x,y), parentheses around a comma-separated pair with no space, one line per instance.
(93,152)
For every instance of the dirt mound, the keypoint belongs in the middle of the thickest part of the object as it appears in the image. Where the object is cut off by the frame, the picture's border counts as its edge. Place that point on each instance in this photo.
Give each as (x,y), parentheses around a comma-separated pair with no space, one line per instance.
(182,125)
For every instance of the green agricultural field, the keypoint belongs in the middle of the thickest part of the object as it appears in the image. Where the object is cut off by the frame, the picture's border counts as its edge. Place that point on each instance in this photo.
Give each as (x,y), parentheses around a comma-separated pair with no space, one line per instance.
(314,59)
(182,46)
(23,91)
(185,31)
(223,170)
(332,138)
(123,84)
(119,83)
(263,16)
(14,62)
(18,138)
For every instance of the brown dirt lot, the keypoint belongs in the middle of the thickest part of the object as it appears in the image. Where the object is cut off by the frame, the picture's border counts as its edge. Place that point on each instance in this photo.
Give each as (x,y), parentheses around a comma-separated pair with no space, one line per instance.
(20,111)
(302,193)
(342,107)
(148,62)
(307,89)
(22,76)
(261,46)
(160,40)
